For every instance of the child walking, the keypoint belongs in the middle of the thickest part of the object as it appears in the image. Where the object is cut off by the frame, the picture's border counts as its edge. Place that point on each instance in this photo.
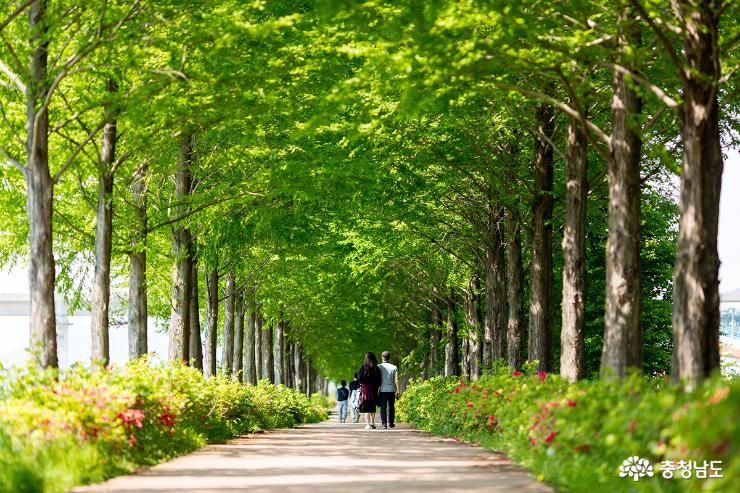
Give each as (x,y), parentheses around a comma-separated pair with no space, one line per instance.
(342,396)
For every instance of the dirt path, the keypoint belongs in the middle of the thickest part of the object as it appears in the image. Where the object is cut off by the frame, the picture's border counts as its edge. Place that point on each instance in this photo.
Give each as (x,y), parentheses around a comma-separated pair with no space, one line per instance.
(333,458)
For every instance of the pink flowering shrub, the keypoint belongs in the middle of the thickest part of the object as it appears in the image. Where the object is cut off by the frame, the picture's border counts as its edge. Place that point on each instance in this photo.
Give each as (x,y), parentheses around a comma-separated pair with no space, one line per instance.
(577,435)
(89,424)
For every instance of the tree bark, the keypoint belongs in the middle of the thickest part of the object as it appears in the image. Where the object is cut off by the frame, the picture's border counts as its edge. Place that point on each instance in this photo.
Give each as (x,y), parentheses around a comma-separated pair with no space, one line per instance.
(40,195)
(471,304)
(622,333)
(250,367)
(696,275)
(515,276)
(99,320)
(211,322)
(297,367)
(182,251)
(258,327)
(287,354)
(268,368)
(278,352)
(494,333)
(227,356)
(540,292)
(137,292)
(435,336)
(238,362)
(451,359)
(572,357)
(195,345)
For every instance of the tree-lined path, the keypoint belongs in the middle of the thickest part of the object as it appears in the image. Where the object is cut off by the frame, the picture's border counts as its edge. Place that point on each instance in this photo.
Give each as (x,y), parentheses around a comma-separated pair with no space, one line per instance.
(331,458)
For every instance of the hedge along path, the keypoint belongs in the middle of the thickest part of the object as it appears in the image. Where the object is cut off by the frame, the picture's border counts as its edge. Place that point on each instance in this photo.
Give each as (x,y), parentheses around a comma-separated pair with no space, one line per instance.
(333,458)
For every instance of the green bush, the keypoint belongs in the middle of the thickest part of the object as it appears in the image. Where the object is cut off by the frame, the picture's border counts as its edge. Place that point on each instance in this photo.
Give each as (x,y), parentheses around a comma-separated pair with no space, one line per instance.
(57,431)
(576,436)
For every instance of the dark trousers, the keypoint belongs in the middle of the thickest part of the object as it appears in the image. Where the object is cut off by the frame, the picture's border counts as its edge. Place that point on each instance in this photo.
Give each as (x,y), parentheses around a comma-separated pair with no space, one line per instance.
(387,404)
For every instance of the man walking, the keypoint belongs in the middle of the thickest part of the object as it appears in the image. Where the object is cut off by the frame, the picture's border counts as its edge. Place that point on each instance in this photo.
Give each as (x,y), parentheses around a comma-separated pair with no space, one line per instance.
(388,391)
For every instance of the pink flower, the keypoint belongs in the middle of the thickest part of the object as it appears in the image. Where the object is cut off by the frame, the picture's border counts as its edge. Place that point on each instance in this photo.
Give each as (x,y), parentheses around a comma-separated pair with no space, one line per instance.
(550,437)
(542,375)
(491,419)
(517,374)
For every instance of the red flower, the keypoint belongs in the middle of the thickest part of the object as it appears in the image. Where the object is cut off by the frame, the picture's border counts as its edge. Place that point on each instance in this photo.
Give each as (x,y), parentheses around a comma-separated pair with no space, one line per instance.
(491,419)
(470,404)
(582,447)
(542,375)
(132,440)
(533,441)
(457,390)
(633,426)
(550,437)
(571,403)
(517,374)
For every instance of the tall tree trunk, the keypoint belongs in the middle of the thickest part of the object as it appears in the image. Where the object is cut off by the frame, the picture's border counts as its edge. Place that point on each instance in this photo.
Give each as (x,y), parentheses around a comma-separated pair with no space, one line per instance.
(540,292)
(696,282)
(622,333)
(451,360)
(227,356)
(297,367)
(435,337)
(268,368)
(286,350)
(195,345)
(250,368)
(211,322)
(39,194)
(137,303)
(258,327)
(239,337)
(572,358)
(278,352)
(99,322)
(471,304)
(182,251)
(515,293)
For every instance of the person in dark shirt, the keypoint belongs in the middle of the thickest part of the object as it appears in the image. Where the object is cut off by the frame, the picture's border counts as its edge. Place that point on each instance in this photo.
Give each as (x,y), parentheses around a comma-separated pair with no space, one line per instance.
(369,377)
(354,399)
(342,398)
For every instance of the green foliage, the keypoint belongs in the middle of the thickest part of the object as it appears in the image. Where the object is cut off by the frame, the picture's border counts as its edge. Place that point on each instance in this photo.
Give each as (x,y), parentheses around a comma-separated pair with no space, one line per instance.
(87,425)
(576,436)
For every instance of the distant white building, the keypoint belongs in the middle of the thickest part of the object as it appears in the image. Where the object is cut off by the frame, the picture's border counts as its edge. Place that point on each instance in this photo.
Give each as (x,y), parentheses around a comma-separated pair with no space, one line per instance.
(73,330)
(729,312)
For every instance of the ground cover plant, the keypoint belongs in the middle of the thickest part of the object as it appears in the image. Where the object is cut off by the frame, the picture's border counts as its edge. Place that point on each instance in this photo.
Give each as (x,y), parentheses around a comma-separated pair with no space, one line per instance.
(576,436)
(86,425)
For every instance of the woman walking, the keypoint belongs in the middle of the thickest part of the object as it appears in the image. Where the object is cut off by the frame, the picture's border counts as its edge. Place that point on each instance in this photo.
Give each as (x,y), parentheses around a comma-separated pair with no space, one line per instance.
(370,378)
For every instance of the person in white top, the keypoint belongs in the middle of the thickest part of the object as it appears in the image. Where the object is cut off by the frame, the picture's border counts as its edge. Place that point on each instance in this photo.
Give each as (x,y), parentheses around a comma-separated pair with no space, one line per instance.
(389,389)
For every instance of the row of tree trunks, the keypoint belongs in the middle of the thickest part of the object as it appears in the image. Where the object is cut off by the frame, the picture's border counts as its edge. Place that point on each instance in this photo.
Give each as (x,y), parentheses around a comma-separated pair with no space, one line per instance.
(137,292)
(540,292)
(622,334)
(298,378)
(572,363)
(179,337)
(99,320)
(227,356)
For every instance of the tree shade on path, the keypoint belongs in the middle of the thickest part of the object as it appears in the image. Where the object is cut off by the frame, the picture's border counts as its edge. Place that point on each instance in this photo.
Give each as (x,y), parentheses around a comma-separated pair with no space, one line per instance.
(332,458)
